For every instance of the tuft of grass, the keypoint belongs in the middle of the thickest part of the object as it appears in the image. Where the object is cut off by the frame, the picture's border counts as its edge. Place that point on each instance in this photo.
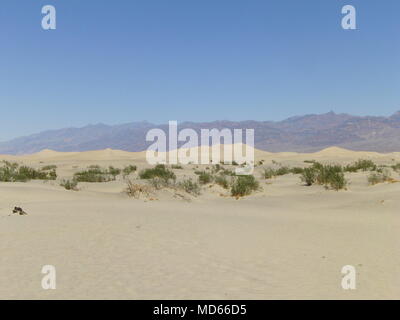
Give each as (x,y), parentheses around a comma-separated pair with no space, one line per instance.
(96,174)
(205,177)
(159,171)
(361,164)
(222,181)
(244,185)
(160,183)
(309,176)
(114,171)
(190,187)
(128,170)
(270,173)
(70,184)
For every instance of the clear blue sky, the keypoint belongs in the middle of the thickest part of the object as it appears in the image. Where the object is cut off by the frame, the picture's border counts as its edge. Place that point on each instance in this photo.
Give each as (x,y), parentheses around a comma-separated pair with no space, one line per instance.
(130,60)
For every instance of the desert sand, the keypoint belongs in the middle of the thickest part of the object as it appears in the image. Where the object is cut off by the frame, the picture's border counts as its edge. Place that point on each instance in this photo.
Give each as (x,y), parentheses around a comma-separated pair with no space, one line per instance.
(286,241)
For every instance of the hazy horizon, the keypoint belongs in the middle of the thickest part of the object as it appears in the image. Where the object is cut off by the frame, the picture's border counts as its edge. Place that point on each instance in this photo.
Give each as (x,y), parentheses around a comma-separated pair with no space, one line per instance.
(188,121)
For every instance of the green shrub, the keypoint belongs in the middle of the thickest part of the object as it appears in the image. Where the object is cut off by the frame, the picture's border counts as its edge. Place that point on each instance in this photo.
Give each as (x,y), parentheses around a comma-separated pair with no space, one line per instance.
(328,175)
(205,177)
(361,164)
(13,172)
(190,186)
(114,171)
(159,171)
(128,170)
(282,171)
(296,170)
(222,181)
(396,167)
(269,173)
(309,176)
(176,166)
(69,184)
(244,185)
(96,174)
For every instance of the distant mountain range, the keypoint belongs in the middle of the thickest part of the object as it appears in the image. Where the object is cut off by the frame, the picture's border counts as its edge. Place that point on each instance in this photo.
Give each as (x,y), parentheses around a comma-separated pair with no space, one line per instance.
(307,133)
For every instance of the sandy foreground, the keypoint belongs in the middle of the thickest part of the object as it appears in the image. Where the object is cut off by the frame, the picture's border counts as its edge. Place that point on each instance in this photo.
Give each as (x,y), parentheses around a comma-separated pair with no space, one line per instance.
(287,241)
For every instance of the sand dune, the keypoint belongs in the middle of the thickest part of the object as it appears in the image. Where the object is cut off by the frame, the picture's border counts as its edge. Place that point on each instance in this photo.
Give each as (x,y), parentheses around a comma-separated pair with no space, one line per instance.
(286,241)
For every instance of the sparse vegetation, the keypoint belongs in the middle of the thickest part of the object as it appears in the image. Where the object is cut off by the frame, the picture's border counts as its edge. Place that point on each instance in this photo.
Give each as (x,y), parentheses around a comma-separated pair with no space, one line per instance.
(190,186)
(331,176)
(70,184)
(159,171)
(128,170)
(176,166)
(309,176)
(361,164)
(270,173)
(160,183)
(222,181)
(244,185)
(205,177)
(96,174)
(396,167)
(13,172)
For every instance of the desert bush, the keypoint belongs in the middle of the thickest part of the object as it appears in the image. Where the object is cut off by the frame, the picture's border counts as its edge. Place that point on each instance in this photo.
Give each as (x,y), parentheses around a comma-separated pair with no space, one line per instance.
(328,175)
(128,170)
(222,181)
(205,177)
(96,174)
(282,171)
(159,171)
(216,168)
(114,171)
(70,184)
(160,183)
(190,186)
(296,170)
(268,173)
(396,167)
(13,172)
(379,177)
(244,185)
(361,164)
(136,190)
(309,176)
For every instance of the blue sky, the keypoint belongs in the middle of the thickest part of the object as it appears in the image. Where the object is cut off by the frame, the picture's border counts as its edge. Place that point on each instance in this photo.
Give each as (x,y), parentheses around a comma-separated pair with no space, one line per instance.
(200,60)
